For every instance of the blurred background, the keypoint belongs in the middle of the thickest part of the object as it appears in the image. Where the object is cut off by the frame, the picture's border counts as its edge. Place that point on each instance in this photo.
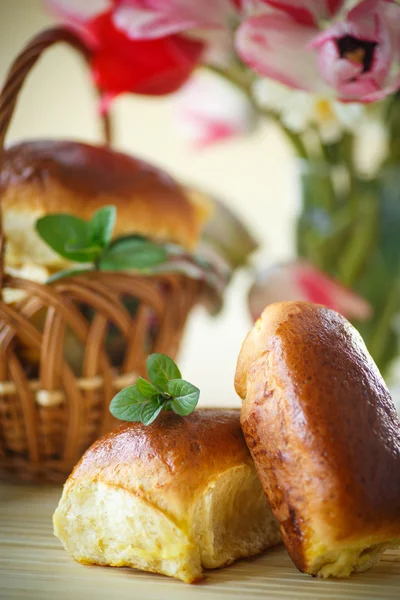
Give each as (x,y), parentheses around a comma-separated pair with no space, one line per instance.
(254,175)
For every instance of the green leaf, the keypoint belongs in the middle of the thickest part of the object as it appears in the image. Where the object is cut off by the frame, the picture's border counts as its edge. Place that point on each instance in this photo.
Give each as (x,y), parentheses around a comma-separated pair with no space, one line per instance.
(150,412)
(83,248)
(102,225)
(185,396)
(132,253)
(161,368)
(67,273)
(127,405)
(144,401)
(59,230)
(146,388)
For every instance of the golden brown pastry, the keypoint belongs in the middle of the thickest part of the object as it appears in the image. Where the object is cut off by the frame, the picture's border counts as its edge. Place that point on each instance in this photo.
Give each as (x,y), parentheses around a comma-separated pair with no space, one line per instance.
(173,497)
(43,177)
(324,435)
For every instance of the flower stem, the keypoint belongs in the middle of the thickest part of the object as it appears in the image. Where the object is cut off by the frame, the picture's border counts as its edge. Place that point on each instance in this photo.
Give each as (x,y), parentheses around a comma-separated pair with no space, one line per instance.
(244,84)
(378,341)
(362,239)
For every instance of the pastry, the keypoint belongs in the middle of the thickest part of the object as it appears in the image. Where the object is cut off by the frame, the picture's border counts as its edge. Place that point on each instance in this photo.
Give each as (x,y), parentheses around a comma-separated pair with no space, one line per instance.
(48,176)
(325,437)
(173,497)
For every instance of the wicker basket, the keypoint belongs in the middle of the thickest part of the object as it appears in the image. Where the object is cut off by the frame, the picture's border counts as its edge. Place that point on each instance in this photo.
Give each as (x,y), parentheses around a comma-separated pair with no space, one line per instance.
(48,419)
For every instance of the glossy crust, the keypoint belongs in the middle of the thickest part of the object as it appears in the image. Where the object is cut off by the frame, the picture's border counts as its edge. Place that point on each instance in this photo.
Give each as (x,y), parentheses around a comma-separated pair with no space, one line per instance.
(325,436)
(181,455)
(173,497)
(43,177)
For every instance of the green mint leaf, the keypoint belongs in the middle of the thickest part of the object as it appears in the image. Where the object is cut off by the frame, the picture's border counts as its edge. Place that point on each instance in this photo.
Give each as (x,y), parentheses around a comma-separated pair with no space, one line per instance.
(132,253)
(59,230)
(83,248)
(147,389)
(127,405)
(66,273)
(150,412)
(185,396)
(161,368)
(134,237)
(167,391)
(102,225)
(91,254)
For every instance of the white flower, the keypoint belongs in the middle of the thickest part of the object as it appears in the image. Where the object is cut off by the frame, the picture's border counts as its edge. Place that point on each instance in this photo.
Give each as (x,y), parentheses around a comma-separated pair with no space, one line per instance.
(299,110)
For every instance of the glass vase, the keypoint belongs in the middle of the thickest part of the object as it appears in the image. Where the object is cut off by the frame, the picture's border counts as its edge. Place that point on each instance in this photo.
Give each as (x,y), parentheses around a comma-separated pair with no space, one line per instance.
(350,228)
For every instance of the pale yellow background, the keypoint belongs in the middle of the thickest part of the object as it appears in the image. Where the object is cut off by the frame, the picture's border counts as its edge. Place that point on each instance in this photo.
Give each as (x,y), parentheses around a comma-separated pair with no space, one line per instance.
(255,175)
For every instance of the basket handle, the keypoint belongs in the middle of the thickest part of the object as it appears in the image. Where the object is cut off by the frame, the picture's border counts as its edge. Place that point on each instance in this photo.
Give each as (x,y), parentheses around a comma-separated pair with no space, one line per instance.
(15,79)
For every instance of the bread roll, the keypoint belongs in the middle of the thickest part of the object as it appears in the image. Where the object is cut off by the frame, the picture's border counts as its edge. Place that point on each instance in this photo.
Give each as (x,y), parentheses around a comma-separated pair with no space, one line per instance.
(173,497)
(324,435)
(43,177)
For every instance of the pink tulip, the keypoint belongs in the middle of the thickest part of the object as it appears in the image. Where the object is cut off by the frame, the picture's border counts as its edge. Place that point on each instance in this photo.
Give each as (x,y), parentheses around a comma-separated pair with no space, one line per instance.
(307,12)
(360,56)
(357,58)
(149,19)
(210,110)
(300,280)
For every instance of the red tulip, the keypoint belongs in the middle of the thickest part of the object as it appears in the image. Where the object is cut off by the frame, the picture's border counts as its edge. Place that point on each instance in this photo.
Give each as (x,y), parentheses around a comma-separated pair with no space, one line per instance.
(120,64)
(299,280)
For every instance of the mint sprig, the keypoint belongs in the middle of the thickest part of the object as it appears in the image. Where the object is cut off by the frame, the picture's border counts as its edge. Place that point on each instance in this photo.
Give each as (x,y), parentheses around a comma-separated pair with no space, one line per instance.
(90,242)
(133,252)
(166,390)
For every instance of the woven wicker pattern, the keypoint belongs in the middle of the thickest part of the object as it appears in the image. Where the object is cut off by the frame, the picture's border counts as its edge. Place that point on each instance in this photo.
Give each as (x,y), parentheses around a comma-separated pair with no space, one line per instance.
(66,348)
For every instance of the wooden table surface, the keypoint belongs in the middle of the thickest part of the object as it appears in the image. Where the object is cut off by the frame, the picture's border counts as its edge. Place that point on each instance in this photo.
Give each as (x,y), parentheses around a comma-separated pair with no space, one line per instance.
(33,564)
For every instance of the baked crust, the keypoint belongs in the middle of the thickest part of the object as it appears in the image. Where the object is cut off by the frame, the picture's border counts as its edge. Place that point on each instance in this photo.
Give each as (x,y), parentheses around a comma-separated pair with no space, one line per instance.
(325,437)
(173,497)
(180,454)
(48,176)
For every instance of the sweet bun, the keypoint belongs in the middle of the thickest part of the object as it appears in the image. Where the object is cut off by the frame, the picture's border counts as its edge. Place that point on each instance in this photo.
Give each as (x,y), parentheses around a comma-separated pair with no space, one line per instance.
(325,437)
(173,497)
(43,177)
